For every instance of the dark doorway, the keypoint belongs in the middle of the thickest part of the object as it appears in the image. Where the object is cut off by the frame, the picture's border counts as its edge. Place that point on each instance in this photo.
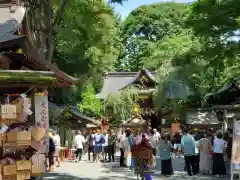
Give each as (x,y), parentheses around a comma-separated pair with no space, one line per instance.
(153,119)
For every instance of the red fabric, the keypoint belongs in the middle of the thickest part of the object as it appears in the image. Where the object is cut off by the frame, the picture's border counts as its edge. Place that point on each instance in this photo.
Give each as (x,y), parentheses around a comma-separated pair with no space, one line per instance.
(69,154)
(134,148)
(145,142)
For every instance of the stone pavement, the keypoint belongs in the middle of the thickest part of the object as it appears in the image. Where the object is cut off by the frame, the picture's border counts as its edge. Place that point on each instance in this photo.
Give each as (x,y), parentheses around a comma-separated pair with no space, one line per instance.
(111,171)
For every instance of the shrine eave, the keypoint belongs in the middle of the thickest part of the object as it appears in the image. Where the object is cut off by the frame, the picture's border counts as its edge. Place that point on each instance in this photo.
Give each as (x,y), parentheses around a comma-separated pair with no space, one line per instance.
(226,95)
(9,40)
(63,79)
(11,19)
(22,78)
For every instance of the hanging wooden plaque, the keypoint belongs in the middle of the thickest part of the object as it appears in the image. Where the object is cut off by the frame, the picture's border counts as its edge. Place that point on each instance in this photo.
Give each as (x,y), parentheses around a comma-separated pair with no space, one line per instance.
(8,111)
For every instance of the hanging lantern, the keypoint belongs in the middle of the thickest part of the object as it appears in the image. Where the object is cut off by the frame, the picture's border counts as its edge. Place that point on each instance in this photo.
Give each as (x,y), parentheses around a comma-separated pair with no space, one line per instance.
(19,51)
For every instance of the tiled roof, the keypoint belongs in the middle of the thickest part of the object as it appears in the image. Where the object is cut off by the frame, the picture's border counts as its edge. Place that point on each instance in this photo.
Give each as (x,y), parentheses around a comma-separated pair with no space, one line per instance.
(115,81)
(228,94)
(11,18)
(73,110)
(80,116)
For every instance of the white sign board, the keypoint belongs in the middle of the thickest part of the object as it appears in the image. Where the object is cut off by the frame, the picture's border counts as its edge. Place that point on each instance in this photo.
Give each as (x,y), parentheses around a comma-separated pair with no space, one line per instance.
(41,111)
(8,111)
(235,162)
(42,117)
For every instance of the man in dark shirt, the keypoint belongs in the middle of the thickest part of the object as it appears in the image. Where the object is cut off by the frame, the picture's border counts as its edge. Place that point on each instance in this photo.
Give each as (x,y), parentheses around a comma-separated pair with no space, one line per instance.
(177,143)
(90,143)
(51,151)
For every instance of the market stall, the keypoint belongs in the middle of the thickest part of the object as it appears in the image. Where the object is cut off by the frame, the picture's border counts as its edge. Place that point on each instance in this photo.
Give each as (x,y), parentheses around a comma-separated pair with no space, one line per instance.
(24,120)
(24,78)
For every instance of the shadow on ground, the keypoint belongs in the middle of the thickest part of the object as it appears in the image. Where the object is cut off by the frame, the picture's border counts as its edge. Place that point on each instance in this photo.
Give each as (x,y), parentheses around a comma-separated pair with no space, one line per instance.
(178,166)
(62,176)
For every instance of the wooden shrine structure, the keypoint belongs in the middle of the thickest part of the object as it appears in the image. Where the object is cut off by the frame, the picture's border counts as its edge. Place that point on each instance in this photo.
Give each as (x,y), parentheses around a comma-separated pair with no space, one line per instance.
(145,81)
(226,103)
(16,50)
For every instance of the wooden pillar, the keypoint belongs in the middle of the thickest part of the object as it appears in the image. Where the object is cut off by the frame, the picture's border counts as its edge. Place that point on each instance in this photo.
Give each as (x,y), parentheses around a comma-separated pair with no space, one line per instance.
(18,2)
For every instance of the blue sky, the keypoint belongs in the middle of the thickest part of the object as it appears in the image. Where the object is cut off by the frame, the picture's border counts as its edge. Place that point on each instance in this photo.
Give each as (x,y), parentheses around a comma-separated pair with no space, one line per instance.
(130,5)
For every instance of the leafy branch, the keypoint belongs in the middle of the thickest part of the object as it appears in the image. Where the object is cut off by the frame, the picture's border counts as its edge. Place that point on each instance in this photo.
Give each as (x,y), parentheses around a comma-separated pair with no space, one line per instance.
(121,105)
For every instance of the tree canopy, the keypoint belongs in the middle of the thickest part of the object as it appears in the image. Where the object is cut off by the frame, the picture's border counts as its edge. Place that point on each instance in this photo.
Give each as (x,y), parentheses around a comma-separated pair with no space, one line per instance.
(87,45)
(144,29)
(193,48)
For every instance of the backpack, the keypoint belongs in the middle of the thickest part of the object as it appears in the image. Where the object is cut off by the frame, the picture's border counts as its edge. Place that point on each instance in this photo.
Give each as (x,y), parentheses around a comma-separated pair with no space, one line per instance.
(101,140)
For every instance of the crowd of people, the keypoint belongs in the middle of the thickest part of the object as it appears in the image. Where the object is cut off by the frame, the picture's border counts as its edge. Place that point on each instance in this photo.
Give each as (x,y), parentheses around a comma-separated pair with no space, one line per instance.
(101,146)
(204,152)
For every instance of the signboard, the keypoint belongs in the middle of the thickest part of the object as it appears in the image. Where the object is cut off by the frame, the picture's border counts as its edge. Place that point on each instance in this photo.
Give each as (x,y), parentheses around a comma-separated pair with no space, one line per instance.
(8,111)
(41,111)
(42,117)
(235,162)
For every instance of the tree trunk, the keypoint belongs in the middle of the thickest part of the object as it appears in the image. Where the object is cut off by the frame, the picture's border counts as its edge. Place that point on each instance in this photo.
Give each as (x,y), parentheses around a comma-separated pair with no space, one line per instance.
(40,26)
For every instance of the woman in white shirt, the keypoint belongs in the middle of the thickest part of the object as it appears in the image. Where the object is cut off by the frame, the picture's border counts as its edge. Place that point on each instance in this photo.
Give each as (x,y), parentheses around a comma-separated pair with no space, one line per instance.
(218,155)
(56,140)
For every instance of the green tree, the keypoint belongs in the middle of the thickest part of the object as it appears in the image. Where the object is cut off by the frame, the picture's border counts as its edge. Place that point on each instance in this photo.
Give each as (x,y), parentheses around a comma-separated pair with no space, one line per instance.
(90,104)
(215,23)
(145,26)
(205,58)
(119,106)
(87,44)
(43,21)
